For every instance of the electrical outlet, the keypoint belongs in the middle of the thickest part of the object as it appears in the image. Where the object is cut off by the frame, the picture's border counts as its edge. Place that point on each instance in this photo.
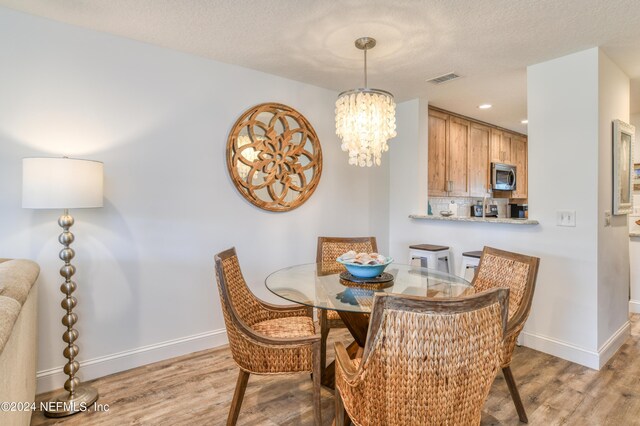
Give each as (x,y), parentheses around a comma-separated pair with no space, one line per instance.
(566,218)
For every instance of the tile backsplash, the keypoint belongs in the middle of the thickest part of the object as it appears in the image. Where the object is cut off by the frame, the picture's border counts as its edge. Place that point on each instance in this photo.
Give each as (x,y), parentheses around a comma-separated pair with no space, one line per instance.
(464,204)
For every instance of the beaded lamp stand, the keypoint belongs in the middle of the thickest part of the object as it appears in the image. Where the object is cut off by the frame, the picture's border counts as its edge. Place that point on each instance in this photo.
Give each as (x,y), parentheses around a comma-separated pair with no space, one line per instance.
(77,397)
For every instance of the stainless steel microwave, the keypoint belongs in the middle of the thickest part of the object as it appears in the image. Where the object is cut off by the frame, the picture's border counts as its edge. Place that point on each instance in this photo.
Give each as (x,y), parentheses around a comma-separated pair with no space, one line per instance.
(503,177)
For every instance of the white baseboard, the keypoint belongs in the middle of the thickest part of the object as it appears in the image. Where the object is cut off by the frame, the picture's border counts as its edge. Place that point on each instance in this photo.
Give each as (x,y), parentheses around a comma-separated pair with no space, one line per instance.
(634,306)
(54,378)
(573,353)
(561,349)
(611,346)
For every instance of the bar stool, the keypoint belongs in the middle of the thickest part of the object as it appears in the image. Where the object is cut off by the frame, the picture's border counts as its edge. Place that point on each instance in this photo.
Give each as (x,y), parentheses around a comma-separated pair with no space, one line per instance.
(470,260)
(430,255)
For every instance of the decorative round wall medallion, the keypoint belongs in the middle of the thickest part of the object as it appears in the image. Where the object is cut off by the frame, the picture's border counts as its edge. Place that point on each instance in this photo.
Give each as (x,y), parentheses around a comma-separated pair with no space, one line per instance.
(274,157)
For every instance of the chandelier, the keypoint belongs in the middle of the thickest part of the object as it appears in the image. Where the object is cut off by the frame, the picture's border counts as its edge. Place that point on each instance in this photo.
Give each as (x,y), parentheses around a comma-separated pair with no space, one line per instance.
(365,118)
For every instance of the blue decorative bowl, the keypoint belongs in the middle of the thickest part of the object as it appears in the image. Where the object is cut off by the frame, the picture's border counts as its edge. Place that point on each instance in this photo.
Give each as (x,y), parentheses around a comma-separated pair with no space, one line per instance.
(365,271)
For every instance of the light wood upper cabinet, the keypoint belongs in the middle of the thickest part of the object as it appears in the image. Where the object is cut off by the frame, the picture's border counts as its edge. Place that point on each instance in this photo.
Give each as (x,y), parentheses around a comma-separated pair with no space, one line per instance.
(519,159)
(500,149)
(438,137)
(458,157)
(461,152)
(479,162)
(448,155)
(505,144)
(495,149)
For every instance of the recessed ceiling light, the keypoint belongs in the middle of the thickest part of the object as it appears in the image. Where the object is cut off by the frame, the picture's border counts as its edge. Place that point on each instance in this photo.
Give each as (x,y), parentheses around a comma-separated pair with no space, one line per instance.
(525,121)
(485,106)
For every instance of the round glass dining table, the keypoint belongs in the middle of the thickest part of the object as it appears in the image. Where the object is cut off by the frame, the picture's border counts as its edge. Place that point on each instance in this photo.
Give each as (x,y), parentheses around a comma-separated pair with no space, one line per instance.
(309,285)
(312,285)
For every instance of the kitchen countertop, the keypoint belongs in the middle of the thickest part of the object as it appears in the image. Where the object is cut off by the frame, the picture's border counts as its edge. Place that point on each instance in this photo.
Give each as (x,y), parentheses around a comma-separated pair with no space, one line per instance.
(506,220)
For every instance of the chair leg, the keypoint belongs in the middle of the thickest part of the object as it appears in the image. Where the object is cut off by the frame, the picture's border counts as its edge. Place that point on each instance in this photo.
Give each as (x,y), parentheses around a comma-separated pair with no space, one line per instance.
(342,418)
(324,334)
(317,376)
(515,395)
(238,395)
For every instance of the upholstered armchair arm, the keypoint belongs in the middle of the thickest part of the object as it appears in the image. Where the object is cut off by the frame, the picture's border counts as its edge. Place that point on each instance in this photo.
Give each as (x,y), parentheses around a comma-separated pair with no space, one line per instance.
(516,323)
(343,362)
(513,329)
(353,387)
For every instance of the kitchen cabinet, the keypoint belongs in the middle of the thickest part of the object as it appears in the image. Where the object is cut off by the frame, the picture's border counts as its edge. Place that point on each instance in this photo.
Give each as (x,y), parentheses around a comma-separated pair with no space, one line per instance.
(519,159)
(500,146)
(461,151)
(438,137)
(448,155)
(495,149)
(458,157)
(479,162)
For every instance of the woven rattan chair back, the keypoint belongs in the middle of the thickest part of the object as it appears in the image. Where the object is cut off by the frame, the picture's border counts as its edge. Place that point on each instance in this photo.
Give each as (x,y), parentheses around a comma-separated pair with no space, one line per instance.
(427,361)
(242,310)
(517,272)
(237,300)
(265,338)
(329,248)
(238,305)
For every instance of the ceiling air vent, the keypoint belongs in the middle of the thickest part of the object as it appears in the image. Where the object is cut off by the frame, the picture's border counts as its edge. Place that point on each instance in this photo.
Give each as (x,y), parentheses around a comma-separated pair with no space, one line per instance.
(443,78)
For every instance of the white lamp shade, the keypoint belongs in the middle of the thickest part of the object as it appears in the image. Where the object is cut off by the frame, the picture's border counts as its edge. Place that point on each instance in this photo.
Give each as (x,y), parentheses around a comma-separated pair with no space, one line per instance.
(61,183)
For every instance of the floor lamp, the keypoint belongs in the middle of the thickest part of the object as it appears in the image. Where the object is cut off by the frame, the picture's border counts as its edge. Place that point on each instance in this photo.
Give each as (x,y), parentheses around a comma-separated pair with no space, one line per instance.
(65,183)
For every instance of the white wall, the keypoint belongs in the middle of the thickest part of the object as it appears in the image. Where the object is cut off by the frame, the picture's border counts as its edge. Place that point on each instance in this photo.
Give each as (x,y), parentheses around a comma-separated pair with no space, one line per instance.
(634,242)
(379,202)
(634,120)
(562,107)
(613,241)
(159,121)
(564,136)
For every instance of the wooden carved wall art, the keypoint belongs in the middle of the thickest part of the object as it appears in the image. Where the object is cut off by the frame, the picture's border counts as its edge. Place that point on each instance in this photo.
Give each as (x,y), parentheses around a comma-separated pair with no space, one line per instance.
(274,157)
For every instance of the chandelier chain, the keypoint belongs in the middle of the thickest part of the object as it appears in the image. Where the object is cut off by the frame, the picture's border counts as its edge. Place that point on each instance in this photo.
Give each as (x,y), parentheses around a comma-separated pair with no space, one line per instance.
(365,69)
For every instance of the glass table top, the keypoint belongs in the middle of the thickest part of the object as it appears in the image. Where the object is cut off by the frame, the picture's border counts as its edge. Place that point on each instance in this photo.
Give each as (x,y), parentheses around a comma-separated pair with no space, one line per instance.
(326,290)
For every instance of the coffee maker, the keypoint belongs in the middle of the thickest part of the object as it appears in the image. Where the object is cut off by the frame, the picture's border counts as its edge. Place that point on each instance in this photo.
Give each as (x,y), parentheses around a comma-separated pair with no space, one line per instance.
(491,210)
(518,211)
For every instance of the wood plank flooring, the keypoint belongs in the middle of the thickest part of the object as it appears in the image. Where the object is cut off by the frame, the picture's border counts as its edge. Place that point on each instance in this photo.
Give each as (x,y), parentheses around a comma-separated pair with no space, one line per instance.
(196,389)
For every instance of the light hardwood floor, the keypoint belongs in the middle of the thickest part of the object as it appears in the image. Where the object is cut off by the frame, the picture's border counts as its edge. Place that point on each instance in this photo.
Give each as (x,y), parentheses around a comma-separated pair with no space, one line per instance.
(196,389)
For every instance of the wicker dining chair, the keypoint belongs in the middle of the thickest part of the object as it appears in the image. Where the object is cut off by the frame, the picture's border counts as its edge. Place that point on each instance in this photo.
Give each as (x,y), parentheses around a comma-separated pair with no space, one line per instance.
(517,272)
(425,362)
(265,338)
(329,249)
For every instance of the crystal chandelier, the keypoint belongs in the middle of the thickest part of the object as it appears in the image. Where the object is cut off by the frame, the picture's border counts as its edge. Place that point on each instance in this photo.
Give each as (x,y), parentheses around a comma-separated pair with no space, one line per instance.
(365,118)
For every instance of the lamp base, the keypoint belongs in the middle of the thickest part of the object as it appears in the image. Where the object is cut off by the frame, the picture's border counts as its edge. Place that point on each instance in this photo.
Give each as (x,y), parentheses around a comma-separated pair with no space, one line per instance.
(63,405)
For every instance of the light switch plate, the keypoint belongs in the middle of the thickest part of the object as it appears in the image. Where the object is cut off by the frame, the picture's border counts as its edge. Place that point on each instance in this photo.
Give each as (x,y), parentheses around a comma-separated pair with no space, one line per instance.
(607,218)
(566,218)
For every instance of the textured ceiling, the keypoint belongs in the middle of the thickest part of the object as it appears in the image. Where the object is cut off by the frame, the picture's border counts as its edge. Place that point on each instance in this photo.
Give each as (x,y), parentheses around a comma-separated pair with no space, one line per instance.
(488,42)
